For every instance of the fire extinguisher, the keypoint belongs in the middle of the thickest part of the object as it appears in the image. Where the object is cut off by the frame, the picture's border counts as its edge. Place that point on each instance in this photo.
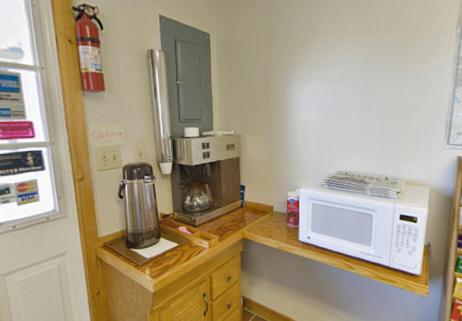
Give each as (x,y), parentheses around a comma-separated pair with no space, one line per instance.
(89,47)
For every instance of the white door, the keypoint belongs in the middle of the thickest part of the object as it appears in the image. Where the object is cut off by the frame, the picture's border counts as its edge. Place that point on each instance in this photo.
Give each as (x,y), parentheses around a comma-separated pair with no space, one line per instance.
(41,265)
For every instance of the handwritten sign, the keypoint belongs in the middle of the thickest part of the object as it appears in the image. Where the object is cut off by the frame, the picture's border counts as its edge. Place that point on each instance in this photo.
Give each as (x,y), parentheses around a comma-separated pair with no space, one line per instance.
(101,135)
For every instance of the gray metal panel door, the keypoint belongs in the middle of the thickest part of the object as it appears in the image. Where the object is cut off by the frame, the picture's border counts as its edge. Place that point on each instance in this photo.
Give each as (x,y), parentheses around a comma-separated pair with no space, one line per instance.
(187,53)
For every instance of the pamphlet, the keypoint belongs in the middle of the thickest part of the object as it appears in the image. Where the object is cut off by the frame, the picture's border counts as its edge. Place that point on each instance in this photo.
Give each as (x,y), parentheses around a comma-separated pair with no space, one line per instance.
(21,162)
(7,193)
(11,96)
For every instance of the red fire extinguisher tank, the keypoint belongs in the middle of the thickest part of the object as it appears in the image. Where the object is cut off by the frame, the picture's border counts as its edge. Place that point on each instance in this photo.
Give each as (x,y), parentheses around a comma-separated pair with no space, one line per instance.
(88,44)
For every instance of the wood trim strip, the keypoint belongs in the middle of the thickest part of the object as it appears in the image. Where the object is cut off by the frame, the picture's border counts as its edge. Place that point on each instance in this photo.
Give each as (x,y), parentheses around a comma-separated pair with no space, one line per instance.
(259,206)
(263,311)
(77,136)
(452,246)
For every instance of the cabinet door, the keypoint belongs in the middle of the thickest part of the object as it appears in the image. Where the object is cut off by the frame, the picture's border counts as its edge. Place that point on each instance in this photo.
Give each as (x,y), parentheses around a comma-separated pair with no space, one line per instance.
(191,305)
(187,52)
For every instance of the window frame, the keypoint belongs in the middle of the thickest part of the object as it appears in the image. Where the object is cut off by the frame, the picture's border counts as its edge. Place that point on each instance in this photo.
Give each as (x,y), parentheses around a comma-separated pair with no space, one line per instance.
(52,109)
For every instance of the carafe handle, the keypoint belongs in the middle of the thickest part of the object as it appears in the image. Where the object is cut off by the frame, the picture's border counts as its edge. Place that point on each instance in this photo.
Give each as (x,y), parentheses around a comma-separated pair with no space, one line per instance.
(121,188)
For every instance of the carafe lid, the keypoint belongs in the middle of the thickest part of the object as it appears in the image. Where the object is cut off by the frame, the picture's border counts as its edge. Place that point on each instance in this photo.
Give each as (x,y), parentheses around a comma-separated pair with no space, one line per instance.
(137,171)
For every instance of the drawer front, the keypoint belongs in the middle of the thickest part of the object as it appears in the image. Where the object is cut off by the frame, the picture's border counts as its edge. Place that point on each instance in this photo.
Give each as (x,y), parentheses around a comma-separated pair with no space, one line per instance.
(227,302)
(225,276)
(236,315)
(193,304)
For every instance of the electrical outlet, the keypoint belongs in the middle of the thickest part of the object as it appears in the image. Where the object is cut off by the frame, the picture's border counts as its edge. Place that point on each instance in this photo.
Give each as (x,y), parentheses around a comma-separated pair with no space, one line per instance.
(140,152)
(108,157)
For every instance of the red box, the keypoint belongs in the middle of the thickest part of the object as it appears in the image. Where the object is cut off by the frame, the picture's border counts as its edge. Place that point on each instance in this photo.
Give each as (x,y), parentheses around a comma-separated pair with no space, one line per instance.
(456,314)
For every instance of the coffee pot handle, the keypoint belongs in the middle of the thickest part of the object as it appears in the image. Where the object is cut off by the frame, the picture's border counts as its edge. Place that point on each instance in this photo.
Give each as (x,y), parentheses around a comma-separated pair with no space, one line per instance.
(121,188)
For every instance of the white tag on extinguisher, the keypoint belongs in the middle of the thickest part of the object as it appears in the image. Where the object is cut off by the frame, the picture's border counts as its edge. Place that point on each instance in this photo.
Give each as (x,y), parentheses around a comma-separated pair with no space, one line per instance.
(90,59)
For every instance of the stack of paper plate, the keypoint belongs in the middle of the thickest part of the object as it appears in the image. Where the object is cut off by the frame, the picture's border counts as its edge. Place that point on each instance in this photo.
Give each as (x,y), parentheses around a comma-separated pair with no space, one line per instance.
(367,184)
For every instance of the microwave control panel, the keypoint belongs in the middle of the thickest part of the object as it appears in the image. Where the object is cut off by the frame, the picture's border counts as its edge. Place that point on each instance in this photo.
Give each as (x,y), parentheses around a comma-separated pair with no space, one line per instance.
(408,239)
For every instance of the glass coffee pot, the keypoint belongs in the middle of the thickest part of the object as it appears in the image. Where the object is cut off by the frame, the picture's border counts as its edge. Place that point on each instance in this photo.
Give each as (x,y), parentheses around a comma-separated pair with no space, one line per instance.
(198,198)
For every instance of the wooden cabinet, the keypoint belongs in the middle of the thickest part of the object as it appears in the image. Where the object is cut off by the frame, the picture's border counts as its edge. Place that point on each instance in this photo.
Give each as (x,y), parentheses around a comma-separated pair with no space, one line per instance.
(207,291)
(225,276)
(192,305)
(213,297)
(229,301)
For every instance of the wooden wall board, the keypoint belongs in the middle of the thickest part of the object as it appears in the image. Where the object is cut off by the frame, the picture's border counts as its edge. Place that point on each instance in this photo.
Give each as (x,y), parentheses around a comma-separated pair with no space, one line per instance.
(77,135)
(452,246)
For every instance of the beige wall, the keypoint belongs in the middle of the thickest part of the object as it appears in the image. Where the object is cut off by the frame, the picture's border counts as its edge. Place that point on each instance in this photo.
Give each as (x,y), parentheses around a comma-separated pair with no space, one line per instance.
(316,86)
(312,86)
(131,28)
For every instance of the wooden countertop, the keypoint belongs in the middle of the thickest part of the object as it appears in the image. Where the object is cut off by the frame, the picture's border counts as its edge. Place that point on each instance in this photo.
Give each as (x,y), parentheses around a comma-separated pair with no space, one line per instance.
(260,224)
(273,232)
(171,265)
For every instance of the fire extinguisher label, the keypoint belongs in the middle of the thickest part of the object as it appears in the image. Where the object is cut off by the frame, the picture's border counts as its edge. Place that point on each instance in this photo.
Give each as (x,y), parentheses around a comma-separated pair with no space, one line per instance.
(90,59)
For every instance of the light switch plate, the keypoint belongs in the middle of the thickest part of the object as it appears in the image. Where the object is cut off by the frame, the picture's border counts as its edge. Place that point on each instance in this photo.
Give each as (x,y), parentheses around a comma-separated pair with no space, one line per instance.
(108,157)
(140,152)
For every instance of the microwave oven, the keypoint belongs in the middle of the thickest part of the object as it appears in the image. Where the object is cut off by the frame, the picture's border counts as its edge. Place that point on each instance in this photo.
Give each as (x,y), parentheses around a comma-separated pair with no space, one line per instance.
(390,232)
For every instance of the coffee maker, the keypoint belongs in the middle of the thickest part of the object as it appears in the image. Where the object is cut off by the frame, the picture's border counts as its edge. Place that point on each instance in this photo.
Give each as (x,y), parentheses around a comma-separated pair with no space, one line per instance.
(205,177)
(205,170)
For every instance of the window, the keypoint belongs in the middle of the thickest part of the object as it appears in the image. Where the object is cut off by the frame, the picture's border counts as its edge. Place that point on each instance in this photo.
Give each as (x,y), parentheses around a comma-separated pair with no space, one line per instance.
(29,93)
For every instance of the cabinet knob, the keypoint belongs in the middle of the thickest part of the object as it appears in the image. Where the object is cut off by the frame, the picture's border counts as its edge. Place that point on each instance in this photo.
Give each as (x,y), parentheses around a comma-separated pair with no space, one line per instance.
(229,305)
(228,278)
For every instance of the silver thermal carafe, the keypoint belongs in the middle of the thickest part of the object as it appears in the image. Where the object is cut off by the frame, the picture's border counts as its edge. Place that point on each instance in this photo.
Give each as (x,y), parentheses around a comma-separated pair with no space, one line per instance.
(142,220)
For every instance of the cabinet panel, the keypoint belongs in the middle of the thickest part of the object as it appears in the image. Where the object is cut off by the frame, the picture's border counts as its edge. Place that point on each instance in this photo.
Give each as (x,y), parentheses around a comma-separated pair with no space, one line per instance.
(227,302)
(192,305)
(188,62)
(187,52)
(225,276)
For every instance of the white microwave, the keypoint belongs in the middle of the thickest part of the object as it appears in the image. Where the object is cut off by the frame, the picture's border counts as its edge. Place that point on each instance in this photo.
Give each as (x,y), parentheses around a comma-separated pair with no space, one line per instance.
(384,231)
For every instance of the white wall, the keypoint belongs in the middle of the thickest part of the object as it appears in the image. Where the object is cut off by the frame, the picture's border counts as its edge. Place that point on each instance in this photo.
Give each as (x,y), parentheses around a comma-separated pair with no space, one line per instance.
(317,86)
(131,28)
(312,86)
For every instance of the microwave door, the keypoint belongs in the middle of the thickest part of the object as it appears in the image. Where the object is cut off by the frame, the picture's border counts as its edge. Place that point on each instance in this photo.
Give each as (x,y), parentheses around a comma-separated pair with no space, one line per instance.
(360,230)
(341,227)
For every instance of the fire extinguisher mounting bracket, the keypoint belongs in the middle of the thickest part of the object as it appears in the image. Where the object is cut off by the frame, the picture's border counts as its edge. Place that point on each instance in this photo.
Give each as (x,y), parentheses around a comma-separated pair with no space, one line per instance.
(90,11)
